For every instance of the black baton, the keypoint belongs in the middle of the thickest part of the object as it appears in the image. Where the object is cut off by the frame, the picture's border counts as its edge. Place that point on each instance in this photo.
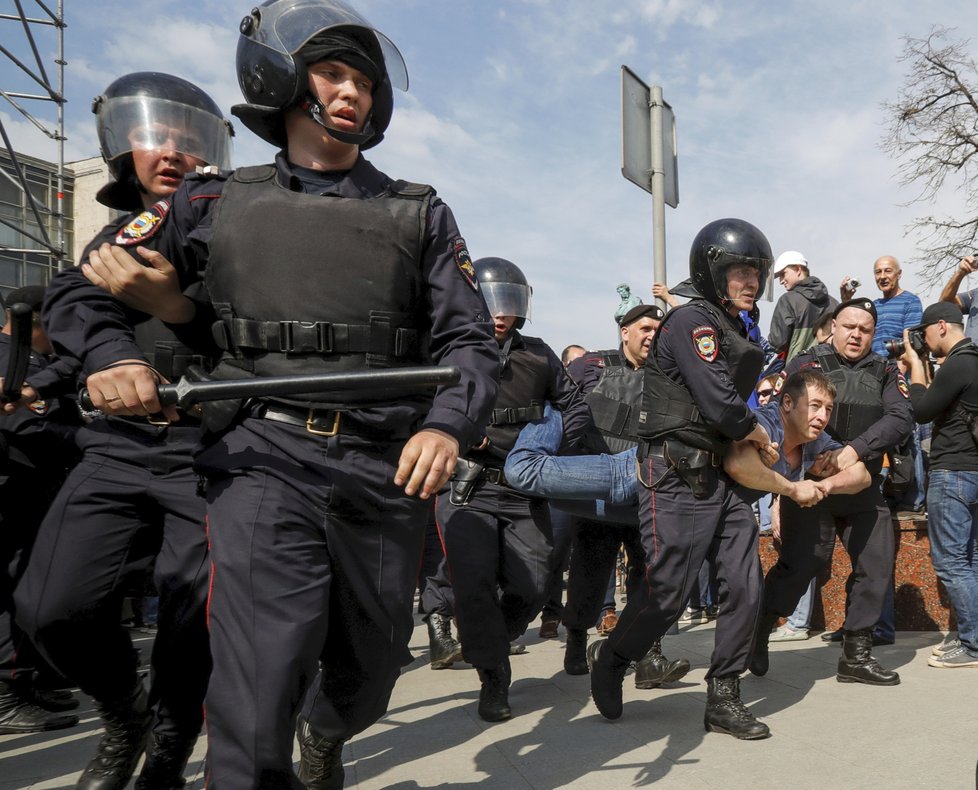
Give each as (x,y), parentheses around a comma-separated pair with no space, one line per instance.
(186,393)
(21,326)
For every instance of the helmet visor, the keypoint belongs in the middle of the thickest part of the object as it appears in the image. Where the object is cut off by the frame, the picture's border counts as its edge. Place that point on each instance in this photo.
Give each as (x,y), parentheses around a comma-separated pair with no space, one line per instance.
(507,299)
(303,19)
(145,123)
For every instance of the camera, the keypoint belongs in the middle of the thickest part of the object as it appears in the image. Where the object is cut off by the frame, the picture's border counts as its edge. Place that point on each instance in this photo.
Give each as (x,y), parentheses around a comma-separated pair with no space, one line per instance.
(854,283)
(895,348)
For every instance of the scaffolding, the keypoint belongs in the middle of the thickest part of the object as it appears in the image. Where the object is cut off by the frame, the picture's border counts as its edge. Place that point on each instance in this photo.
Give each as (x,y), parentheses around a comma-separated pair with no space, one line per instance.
(33,72)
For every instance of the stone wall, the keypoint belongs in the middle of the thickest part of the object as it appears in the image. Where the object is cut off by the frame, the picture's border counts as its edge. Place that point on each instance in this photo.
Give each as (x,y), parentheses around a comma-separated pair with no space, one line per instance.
(920,601)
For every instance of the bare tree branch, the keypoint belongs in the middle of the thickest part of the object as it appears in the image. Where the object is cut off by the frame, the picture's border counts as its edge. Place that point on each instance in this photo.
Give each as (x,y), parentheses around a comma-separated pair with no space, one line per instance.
(932,133)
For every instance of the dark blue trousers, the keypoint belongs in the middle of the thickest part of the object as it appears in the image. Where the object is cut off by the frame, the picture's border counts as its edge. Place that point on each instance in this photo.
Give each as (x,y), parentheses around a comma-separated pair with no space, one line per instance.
(130,504)
(678,532)
(316,555)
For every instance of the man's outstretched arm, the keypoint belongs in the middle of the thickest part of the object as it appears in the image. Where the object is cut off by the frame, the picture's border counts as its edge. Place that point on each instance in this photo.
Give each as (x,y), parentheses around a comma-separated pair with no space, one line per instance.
(743,463)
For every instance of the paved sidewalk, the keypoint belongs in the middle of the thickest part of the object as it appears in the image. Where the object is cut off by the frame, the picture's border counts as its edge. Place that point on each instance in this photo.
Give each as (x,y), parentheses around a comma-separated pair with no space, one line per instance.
(825,734)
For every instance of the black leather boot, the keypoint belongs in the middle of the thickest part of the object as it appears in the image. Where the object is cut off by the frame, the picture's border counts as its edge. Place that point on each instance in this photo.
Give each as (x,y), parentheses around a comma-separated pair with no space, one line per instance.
(760,659)
(607,675)
(443,650)
(655,669)
(166,760)
(494,694)
(320,759)
(727,714)
(18,713)
(57,700)
(127,722)
(575,653)
(857,665)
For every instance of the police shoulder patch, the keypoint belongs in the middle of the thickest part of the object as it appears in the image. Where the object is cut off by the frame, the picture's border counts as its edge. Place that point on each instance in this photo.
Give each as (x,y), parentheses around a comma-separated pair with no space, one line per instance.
(464,262)
(902,386)
(39,407)
(705,343)
(779,383)
(144,226)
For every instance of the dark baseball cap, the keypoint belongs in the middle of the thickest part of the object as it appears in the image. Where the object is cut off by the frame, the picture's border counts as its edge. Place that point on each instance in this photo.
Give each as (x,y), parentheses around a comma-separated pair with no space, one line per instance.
(641,311)
(942,311)
(31,295)
(861,303)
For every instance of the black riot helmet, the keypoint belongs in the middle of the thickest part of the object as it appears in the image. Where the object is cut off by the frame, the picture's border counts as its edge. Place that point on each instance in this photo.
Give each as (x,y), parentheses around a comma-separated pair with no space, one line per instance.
(720,245)
(148,110)
(505,288)
(280,38)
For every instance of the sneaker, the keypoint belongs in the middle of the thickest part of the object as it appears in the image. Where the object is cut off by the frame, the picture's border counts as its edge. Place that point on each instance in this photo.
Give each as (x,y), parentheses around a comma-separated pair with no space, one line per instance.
(957,658)
(609,619)
(694,616)
(787,634)
(950,642)
(912,514)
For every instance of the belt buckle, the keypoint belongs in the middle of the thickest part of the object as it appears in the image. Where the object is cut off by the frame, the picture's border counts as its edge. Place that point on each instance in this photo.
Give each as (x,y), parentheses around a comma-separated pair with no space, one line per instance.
(311,426)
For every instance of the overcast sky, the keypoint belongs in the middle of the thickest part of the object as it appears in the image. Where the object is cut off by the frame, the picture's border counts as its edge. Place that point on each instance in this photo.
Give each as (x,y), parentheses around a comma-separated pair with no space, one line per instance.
(514,116)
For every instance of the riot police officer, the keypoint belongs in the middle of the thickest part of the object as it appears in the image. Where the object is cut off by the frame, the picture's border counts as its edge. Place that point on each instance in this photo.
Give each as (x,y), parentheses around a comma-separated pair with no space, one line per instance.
(612,383)
(316,534)
(498,542)
(699,372)
(37,447)
(131,503)
(872,415)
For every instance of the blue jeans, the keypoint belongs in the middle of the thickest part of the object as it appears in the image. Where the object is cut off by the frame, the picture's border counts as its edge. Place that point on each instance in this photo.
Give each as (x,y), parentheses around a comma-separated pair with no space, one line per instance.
(764,512)
(801,618)
(952,508)
(532,467)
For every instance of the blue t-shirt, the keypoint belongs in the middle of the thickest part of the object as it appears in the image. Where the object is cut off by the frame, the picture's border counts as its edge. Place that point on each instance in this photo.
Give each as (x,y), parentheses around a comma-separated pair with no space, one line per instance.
(770,418)
(893,315)
(970,306)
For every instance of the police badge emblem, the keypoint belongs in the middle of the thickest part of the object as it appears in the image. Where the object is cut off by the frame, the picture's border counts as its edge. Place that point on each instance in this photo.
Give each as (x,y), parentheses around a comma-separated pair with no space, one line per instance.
(464,262)
(143,226)
(705,343)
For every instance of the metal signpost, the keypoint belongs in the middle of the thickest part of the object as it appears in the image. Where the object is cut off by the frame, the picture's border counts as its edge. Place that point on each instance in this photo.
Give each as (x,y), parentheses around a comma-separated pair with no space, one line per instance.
(649,156)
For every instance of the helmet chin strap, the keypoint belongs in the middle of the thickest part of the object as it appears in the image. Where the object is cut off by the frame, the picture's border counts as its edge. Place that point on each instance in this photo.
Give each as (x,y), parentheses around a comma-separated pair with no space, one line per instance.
(314,109)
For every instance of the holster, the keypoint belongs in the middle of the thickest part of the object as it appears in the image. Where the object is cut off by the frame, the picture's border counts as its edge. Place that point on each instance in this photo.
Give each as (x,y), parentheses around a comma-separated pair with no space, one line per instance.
(467,474)
(691,464)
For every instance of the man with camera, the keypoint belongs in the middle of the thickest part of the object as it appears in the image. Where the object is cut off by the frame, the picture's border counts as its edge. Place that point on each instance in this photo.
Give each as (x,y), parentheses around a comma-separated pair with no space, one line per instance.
(872,414)
(951,402)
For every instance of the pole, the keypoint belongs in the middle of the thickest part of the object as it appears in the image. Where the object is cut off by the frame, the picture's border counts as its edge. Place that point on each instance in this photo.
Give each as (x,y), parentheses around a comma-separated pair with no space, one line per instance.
(658,193)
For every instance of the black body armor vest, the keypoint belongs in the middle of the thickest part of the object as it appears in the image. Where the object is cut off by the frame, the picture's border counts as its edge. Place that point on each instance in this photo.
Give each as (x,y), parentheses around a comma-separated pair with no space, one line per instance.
(668,409)
(859,394)
(318,283)
(614,404)
(525,379)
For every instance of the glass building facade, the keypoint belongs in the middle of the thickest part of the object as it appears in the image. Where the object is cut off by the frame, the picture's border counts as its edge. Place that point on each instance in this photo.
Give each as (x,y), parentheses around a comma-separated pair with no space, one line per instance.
(25,260)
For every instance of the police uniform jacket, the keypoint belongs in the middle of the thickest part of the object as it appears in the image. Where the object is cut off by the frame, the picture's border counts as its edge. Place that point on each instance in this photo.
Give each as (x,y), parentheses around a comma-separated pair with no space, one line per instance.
(687,348)
(459,331)
(89,324)
(895,419)
(947,403)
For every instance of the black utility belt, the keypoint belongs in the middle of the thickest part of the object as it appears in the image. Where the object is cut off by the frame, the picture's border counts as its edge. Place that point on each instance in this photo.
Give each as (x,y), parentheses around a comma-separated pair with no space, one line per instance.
(680,455)
(324,422)
(320,422)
